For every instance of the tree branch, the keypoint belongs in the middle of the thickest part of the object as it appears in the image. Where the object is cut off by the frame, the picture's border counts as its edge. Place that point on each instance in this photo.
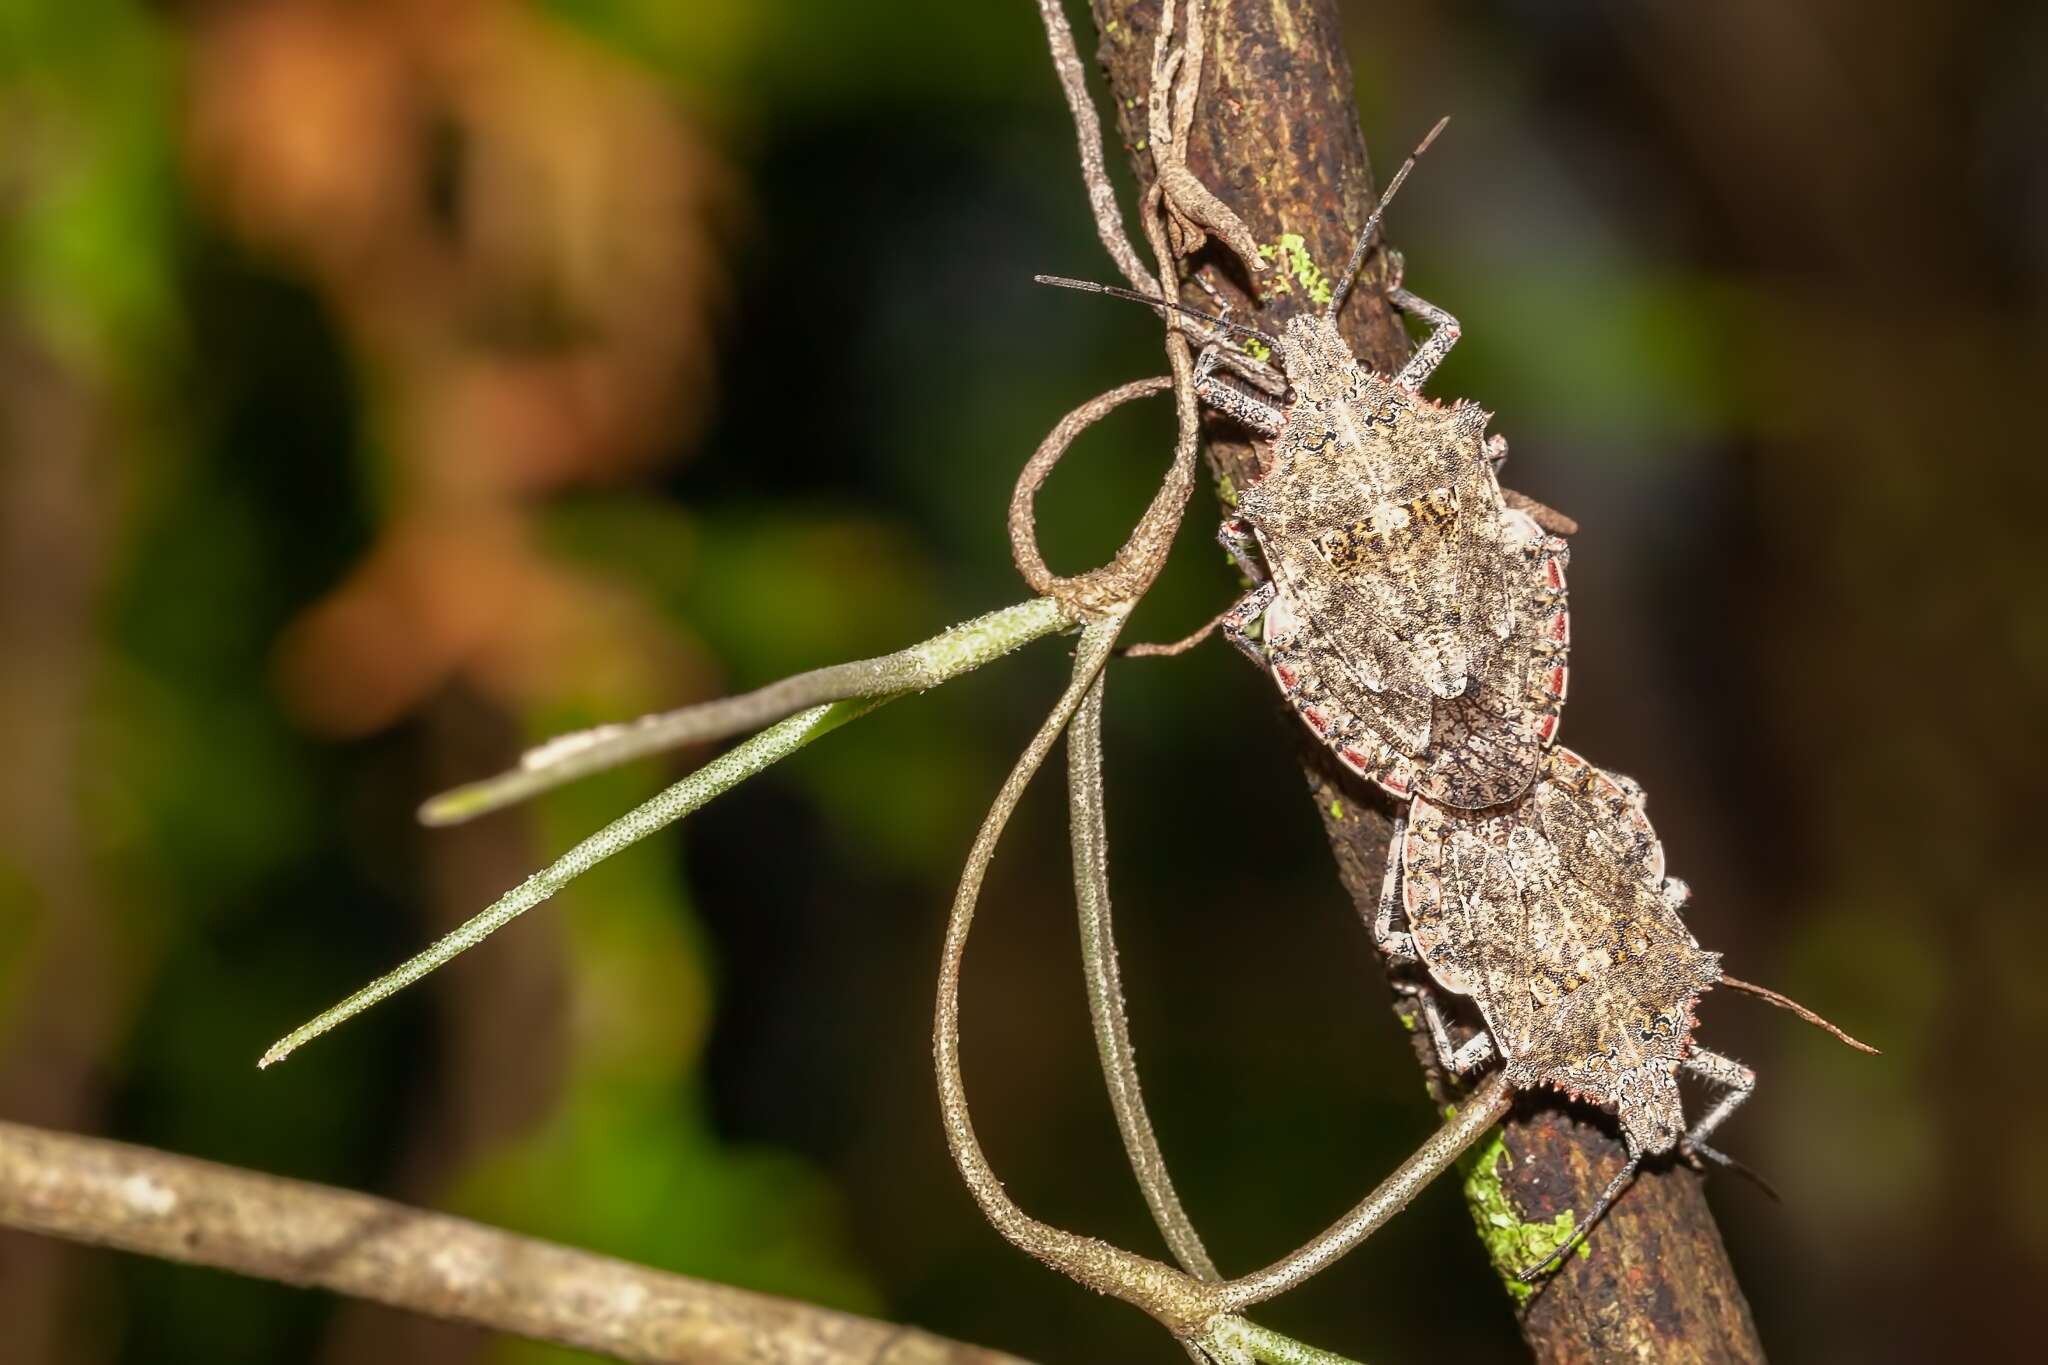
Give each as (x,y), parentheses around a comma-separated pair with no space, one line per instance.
(181,1209)
(1276,136)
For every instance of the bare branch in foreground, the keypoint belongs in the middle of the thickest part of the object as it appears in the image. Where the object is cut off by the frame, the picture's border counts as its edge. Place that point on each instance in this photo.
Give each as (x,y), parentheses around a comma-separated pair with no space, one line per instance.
(182,1209)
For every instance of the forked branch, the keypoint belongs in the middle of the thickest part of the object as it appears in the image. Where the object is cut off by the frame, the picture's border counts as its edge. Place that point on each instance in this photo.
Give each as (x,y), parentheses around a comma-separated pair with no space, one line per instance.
(833,696)
(1199,1311)
(925,665)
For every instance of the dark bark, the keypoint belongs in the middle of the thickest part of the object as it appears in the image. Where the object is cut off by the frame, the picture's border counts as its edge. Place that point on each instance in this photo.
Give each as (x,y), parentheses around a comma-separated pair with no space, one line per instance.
(1276,137)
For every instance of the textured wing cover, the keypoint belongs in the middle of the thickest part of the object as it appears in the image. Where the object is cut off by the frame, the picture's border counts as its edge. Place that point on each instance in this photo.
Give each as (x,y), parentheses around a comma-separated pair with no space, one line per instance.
(1551,914)
(1381,518)
(1479,749)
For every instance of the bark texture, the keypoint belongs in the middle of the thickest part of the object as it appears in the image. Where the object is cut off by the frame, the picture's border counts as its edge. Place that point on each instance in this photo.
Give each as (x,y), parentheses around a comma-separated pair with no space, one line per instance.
(1276,137)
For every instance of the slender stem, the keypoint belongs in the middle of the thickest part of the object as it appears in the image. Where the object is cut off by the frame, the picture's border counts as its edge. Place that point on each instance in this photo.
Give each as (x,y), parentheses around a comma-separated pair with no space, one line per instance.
(833,696)
(1183,1304)
(1265,1345)
(1090,837)
(1116,587)
(174,1207)
(1114,584)
(925,665)
(1482,1109)
(721,774)
(1170,112)
(1109,220)
(1189,1307)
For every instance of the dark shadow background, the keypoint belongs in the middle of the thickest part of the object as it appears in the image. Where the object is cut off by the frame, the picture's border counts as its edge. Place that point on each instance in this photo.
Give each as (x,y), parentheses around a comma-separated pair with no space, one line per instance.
(385,385)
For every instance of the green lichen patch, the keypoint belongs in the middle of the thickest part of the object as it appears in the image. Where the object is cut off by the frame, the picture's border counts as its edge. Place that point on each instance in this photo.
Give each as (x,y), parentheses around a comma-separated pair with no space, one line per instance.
(1512,1242)
(1290,253)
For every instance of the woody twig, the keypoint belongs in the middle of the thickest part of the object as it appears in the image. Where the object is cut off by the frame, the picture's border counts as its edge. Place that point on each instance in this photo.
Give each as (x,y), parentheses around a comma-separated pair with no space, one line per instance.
(199,1213)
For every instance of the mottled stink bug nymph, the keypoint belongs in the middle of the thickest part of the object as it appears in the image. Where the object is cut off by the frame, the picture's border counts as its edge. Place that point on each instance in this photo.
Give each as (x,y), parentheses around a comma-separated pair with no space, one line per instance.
(1554,916)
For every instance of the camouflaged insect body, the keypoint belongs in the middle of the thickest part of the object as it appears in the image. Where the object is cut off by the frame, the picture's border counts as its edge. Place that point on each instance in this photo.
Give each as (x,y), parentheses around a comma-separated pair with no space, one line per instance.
(1555,917)
(1484,747)
(1380,519)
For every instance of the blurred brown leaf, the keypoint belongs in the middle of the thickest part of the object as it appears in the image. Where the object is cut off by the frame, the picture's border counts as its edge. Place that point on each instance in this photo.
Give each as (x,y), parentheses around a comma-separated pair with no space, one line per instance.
(517,233)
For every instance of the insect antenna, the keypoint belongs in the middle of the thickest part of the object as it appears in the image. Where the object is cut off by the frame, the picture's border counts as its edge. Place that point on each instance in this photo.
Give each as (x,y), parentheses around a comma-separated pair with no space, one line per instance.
(1785,1002)
(1118,292)
(1747,1172)
(1372,221)
(1607,1198)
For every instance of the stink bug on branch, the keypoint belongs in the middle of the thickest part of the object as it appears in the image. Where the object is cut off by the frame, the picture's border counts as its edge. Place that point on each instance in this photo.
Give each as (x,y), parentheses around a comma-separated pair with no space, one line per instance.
(1554,915)
(1415,623)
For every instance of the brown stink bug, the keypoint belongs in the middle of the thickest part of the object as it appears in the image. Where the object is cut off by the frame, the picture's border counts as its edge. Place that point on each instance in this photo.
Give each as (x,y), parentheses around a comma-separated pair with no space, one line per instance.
(1383,558)
(1553,914)
(1481,748)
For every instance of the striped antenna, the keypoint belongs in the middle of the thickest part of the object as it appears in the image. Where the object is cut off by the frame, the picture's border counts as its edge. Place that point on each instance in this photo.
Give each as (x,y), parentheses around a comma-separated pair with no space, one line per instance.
(1372,221)
(1118,292)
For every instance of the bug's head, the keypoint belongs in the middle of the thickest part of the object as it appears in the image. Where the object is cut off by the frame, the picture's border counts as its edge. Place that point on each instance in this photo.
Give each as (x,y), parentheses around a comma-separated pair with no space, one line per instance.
(1652,1115)
(1314,358)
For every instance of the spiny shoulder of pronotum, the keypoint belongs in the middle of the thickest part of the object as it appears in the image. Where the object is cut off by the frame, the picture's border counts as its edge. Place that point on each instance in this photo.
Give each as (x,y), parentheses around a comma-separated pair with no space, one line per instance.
(1388,445)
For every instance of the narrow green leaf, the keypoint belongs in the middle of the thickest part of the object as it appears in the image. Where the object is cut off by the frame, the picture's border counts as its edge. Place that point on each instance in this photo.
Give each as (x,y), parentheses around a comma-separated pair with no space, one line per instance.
(721,774)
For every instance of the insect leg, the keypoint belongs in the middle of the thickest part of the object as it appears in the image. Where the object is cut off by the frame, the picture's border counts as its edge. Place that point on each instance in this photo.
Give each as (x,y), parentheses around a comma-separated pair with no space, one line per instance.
(1585,1225)
(1238,541)
(1255,372)
(1476,1052)
(1397,944)
(1549,518)
(1244,547)
(1460,1059)
(1400,950)
(1739,1082)
(1248,609)
(1448,1054)
(1216,349)
(1260,418)
(1443,335)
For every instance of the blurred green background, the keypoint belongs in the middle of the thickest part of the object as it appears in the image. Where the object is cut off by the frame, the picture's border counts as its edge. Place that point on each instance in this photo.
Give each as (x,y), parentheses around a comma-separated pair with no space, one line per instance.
(387,385)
